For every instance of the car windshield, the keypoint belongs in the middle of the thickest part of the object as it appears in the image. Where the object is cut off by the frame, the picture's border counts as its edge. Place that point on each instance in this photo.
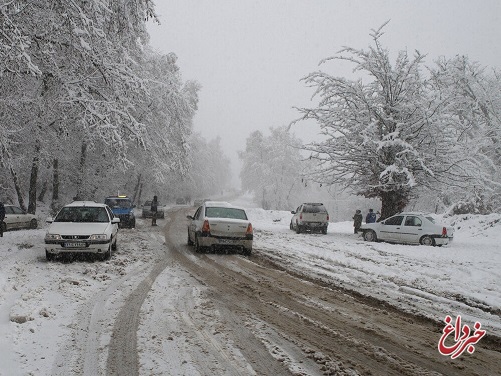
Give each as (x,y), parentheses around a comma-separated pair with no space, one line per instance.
(118,203)
(215,212)
(82,214)
(308,208)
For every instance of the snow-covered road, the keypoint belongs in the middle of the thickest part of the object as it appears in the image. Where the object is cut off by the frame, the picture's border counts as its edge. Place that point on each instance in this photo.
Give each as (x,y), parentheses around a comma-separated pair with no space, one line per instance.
(61,317)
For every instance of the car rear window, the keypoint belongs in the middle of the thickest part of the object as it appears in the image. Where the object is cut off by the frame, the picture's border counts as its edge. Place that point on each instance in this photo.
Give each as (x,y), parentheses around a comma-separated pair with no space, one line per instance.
(118,203)
(215,212)
(308,208)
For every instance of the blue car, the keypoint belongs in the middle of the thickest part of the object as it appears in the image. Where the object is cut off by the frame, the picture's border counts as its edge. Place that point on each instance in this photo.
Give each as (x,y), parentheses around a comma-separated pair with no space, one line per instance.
(122,207)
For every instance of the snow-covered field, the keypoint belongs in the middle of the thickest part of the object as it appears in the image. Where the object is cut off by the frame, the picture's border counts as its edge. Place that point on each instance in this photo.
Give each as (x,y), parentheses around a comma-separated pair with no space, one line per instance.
(40,300)
(462,278)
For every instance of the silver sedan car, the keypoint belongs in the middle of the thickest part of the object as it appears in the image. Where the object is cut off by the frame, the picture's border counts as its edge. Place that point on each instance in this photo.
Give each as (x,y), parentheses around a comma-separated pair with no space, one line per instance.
(220,225)
(408,228)
(15,217)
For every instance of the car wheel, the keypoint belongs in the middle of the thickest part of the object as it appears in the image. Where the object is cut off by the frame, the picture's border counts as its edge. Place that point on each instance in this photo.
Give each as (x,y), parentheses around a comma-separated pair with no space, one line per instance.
(49,256)
(427,240)
(247,251)
(114,245)
(4,226)
(324,231)
(106,255)
(198,249)
(190,242)
(370,236)
(298,228)
(33,223)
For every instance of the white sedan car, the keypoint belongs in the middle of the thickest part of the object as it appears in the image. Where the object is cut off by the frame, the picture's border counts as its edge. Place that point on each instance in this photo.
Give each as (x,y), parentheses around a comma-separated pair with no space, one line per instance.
(220,225)
(409,228)
(82,227)
(17,218)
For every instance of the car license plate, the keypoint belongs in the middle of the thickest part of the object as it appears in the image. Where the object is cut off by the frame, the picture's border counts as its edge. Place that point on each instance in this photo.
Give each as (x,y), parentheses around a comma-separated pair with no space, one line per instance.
(74,245)
(225,241)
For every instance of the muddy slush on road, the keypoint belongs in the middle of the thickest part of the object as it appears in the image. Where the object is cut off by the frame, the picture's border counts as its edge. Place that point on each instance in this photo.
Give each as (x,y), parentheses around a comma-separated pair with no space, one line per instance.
(237,315)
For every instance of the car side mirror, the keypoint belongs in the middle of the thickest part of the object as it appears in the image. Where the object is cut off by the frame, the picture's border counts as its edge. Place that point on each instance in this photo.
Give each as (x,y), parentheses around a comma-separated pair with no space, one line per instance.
(115,220)
(190,217)
(49,220)
(293,212)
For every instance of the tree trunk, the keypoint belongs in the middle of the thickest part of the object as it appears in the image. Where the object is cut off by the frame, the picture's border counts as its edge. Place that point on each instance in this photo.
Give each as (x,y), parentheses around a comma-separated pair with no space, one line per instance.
(55,186)
(32,195)
(136,190)
(83,157)
(55,180)
(17,186)
(392,203)
(139,194)
(43,191)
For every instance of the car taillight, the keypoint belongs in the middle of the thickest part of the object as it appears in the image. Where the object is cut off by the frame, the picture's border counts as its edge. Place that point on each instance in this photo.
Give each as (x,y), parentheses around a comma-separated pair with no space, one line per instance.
(249,232)
(301,216)
(206,227)
(327,217)
(444,232)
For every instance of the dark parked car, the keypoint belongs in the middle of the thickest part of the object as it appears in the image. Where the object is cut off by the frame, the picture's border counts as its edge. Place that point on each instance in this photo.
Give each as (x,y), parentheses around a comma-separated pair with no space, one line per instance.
(122,207)
(146,212)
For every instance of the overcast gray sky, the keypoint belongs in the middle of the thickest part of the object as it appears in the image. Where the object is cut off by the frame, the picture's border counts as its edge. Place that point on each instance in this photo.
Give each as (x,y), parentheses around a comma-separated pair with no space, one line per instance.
(249,55)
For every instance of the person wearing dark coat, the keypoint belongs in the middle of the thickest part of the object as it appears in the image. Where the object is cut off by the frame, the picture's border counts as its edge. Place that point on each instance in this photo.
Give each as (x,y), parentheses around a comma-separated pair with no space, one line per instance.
(154,210)
(2,217)
(371,217)
(357,221)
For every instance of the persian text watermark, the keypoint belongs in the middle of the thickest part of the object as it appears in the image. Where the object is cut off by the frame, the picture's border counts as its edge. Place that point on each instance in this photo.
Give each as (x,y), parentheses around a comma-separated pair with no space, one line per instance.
(462,340)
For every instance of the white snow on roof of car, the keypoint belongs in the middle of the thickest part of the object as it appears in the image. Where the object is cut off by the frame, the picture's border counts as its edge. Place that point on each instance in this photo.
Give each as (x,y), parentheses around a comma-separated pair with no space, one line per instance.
(221,204)
(86,203)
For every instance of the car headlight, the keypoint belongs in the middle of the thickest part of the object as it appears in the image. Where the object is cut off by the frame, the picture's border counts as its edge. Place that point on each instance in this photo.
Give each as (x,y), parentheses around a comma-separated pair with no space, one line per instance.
(52,237)
(98,237)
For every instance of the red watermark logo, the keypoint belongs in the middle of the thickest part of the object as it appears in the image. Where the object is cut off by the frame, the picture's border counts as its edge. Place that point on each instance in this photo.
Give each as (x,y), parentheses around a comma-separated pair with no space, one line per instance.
(462,339)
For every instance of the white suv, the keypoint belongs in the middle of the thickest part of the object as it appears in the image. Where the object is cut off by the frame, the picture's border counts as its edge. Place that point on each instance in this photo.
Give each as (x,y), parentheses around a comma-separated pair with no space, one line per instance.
(310,216)
(82,227)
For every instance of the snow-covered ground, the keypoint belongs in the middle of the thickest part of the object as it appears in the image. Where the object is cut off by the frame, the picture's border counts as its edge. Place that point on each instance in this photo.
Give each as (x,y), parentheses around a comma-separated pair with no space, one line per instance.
(462,278)
(41,300)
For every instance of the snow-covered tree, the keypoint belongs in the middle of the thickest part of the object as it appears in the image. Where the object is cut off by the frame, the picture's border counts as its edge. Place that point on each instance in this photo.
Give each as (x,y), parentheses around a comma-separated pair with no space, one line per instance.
(382,134)
(87,103)
(272,168)
(471,117)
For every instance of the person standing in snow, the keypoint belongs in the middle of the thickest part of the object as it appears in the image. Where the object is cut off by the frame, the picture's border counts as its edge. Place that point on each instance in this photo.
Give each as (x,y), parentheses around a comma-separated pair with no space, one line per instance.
(357,221)
(2,216)
(371,217)
(154,209)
